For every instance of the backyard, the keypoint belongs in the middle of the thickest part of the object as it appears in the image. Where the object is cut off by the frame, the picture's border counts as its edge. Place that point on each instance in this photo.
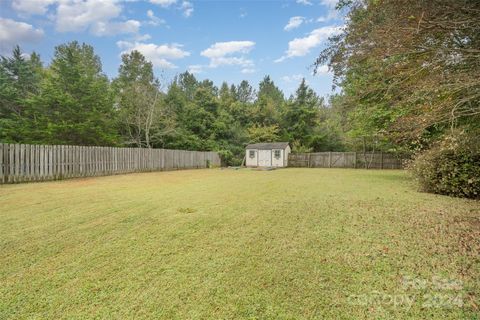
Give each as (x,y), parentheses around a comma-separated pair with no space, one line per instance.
(237,244)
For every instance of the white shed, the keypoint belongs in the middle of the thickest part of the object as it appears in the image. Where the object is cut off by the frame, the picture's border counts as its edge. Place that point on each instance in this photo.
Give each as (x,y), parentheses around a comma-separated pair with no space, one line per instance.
(270,154)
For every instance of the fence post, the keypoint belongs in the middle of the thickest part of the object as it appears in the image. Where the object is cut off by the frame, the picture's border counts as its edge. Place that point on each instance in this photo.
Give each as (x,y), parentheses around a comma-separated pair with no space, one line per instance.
(2,177)
(381,160)
(355,160)
(330,159)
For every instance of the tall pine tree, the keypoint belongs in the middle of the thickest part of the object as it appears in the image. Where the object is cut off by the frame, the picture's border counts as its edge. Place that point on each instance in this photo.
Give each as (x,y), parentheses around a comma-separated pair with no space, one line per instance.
(75,105)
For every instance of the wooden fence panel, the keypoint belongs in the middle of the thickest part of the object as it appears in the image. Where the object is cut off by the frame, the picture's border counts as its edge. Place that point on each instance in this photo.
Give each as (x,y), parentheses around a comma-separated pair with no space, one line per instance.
(23,162)
(368,160)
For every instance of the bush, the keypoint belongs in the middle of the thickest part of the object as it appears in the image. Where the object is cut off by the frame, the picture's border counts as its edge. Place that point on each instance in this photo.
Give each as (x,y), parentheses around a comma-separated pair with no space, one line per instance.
(450,167)
(227,157)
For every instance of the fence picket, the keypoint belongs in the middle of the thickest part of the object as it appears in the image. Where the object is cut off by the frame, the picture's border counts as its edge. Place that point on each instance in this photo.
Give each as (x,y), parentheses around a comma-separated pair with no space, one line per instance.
(2,171)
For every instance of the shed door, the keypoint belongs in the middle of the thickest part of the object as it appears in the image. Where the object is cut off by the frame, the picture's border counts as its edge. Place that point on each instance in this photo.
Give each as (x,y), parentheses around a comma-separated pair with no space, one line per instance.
(264,158)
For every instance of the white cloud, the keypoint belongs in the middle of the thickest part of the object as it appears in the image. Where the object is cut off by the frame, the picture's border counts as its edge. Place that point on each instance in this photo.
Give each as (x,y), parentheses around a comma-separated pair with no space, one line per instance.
(248,70)
(329,16)
(332,13)
(292,78)
(323,70)
(187,8)
(125,44)
(229,53)
(300,47)
(329,3)
(294,23)
(231,61)
(32,6)
(304,2)
(111,28)
(15,32)
(79,16)
(154,20)
(94,16)
(221,49)
(143,37)
(195,69)
(159,55)
(163,3)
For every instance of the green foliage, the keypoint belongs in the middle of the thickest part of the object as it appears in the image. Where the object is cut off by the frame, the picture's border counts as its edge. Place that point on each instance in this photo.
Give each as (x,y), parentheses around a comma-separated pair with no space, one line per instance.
(408,71)
(298,147)
(75,103)
(258,133)
(415,75)
(72,102)
(301,115)
(450,166)
(269,105)
(227,157)
(245,92)
(19,82)
(138,100)
(226,119)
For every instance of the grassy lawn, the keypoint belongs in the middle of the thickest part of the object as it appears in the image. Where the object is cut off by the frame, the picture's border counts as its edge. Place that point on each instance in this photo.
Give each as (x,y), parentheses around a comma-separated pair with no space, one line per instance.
(226,244)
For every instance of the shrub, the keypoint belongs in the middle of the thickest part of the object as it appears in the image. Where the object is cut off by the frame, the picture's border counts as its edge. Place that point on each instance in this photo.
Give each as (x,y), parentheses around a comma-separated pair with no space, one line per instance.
(451,166)
(226,157)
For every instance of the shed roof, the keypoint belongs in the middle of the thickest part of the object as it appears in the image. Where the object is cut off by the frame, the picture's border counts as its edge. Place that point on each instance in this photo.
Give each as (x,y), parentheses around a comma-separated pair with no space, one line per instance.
(268,145)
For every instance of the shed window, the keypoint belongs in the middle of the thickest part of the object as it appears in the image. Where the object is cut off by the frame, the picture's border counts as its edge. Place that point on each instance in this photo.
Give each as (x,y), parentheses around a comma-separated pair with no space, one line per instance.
(277,154)
(251,154)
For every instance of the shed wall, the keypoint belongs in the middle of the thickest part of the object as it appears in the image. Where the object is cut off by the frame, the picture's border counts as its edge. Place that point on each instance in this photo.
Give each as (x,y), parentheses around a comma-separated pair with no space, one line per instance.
(278,162)
(251,162)
(266,158)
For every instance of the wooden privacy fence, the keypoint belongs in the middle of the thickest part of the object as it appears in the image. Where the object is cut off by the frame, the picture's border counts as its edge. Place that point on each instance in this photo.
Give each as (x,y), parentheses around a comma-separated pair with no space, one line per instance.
(369,160)
(24,162)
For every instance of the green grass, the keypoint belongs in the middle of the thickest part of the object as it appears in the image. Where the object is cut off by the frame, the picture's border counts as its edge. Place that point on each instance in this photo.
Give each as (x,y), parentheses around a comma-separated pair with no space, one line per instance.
(236,244)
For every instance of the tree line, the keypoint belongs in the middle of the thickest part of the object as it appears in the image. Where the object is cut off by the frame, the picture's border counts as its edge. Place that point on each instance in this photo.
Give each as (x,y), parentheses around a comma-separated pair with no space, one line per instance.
(71,101)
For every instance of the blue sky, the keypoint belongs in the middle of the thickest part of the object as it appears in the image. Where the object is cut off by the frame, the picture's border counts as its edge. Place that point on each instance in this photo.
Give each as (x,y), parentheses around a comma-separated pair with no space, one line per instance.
(219,40)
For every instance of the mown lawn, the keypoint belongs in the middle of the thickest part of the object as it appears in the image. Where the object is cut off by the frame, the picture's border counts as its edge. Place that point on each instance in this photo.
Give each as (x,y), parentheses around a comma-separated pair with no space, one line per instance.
(226,244)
